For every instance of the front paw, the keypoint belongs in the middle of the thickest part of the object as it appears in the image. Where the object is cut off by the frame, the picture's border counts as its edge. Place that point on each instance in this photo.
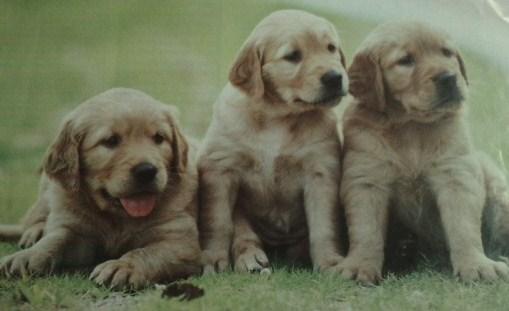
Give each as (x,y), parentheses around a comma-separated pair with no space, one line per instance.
(476,268)
(31,235)
(26,262)
(252,259)
(367,272)
(119,274)
(215,261)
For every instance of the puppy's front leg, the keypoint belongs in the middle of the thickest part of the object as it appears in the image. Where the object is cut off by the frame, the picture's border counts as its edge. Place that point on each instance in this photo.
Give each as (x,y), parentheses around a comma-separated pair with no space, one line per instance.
(218,195)
(39,259)
(321,200)
(365,192)
(247,248)
(176,256)
(460,199)
(366,207)
(34,223)
(35,219)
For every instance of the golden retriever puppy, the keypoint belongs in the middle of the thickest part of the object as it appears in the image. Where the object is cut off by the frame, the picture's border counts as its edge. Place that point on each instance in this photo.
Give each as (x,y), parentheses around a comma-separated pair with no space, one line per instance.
(407,153)
(119,186)
(270,162)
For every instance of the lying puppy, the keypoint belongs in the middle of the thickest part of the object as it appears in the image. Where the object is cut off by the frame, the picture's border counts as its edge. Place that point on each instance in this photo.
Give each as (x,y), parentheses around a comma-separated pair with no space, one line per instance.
(408,153)
(119,184)
(269,164)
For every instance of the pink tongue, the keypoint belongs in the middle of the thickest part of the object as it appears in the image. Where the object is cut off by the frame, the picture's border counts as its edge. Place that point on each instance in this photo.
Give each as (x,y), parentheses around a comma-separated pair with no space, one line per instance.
(139,206)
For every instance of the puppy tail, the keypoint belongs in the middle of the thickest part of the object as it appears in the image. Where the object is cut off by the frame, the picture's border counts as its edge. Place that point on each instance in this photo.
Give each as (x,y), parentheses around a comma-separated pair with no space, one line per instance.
(10,233)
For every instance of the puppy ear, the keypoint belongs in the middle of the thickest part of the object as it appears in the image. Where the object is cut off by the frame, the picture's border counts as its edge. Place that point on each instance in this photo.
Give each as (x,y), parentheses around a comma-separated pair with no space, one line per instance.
(62,160)
(366,81)
(246,72)
(462,67)
(180,150)
(179,144)
(343,59)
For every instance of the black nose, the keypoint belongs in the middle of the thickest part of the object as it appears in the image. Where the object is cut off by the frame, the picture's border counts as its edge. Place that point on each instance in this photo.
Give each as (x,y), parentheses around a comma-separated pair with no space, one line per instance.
(332,80)
(445,80)
(447,88)
(144,172)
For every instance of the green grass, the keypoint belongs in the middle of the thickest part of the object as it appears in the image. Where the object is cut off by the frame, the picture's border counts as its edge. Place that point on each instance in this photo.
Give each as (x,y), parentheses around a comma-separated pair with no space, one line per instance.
(283,290)
(55,54)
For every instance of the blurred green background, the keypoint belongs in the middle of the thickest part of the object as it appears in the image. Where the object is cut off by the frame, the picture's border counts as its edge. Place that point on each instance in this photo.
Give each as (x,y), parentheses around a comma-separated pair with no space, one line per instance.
(55,54)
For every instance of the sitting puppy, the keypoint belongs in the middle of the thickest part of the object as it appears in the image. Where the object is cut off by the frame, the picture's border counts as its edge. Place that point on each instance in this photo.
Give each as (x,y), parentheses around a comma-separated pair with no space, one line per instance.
(119,184)
(269,164)
(408,154)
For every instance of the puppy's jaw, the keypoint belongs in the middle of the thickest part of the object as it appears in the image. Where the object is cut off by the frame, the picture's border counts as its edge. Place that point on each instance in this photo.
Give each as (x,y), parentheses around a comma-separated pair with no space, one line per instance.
(447,103)
(138,204)
(108,194)
(308,98)
(114,182)
(427,105)
(321,103)
(422,100)
(315,92)
(452,99)
(324,100)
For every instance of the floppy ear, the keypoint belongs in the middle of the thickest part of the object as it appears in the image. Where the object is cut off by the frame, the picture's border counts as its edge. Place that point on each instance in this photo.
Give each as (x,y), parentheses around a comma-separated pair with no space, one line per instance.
(343,59)
(180,150)
(462,67)
(179,144)
(246,72)
(366,81)
(62,160)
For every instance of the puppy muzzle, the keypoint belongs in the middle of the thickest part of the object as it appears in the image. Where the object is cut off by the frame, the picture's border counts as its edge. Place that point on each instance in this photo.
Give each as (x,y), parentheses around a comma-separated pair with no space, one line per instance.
(448,92)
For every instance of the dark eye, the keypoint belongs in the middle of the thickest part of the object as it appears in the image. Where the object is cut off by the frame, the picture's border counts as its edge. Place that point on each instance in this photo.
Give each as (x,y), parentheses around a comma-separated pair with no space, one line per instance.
(331,48)
(293,57)
(158,138)
(111,142)
(447,52)
(407,60)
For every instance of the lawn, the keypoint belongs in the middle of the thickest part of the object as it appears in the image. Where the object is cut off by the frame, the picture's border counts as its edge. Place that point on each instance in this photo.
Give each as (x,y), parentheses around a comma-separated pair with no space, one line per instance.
(55,54)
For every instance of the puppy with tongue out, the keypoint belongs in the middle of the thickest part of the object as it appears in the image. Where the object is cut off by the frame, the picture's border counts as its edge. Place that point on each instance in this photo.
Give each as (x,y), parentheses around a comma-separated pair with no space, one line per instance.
(139,206)
(118,189)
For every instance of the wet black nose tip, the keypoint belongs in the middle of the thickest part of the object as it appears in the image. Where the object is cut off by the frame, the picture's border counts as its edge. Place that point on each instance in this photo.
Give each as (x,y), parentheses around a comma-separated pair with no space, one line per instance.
(445,80)
(144,172)
(332,80)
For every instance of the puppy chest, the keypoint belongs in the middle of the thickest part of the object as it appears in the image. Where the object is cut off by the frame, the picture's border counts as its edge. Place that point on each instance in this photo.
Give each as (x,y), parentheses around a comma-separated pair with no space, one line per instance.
(272,178)
(412,192)
(271,193)
(275,219)
(280,227)
(414,203)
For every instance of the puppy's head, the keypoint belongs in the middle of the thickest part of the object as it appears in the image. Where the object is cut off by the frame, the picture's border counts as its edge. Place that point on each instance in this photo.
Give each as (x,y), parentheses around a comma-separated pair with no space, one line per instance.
(292,57)
(122,148)
(412,66)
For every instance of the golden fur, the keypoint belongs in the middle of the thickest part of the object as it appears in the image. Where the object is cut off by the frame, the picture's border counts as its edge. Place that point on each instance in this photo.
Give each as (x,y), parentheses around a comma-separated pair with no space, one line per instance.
(408,154)
(269,164)
(32,225)
(87,173)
